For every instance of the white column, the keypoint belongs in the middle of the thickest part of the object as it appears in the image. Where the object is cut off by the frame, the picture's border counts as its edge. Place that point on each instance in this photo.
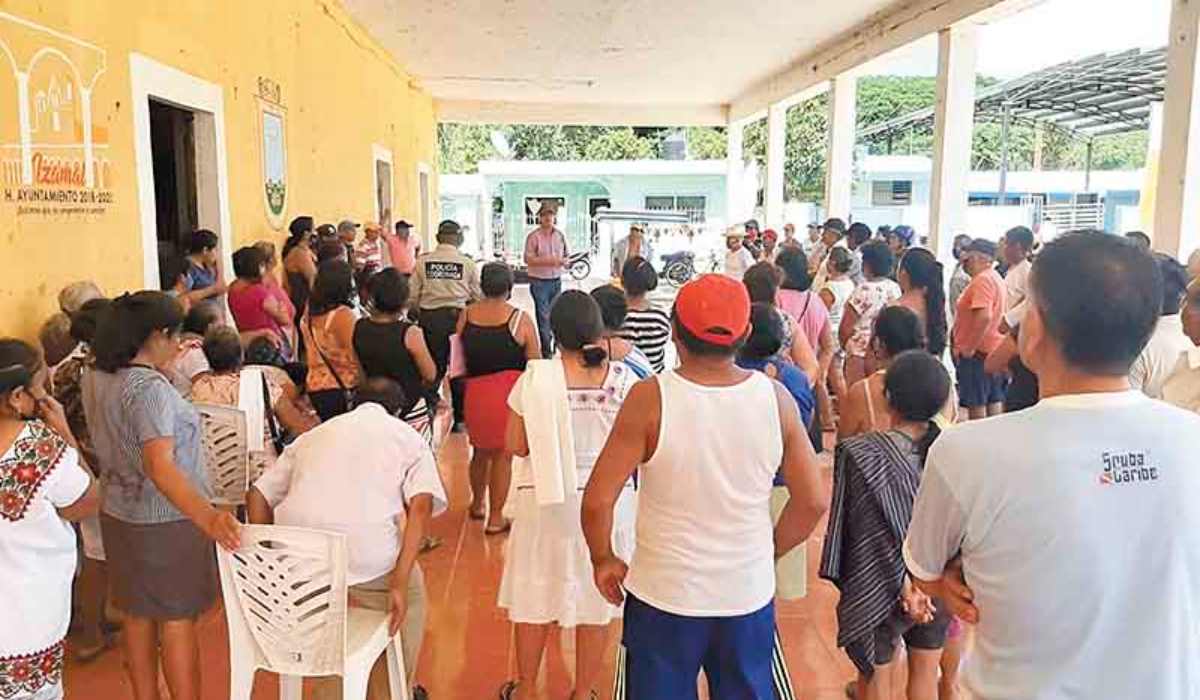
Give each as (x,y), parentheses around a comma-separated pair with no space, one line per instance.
(839,161)
(953,126)
(735,167)
(776,159)
(1176,209)
(89,165)
(25,128)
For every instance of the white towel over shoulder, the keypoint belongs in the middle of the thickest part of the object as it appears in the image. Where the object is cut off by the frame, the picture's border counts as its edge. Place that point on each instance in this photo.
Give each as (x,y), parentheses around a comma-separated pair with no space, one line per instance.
(540,398)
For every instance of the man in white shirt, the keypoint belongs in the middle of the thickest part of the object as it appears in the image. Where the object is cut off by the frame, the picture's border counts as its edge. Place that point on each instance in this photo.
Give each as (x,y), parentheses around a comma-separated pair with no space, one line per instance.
(1182,388)
(1161,355)
(702,580)
(361,474)
(1076,554)
(1018,247)
(738,257)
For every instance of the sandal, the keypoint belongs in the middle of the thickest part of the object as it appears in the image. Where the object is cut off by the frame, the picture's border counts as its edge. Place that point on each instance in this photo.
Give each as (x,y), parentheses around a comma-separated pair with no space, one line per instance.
(498,529)
(508,690)
(429,544)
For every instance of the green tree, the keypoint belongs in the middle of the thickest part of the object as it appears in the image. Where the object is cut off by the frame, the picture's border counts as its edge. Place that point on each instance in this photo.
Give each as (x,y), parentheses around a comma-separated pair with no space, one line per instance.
(707,143)
(620,144)
(806,143)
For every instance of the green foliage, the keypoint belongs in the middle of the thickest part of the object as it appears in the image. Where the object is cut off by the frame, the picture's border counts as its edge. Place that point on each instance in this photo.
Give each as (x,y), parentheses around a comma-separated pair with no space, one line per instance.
(880,98)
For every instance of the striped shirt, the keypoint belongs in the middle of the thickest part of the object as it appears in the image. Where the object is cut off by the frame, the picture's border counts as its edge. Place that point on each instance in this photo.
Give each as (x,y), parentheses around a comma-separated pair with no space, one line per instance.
(875,482)
(649,330)
(126,410)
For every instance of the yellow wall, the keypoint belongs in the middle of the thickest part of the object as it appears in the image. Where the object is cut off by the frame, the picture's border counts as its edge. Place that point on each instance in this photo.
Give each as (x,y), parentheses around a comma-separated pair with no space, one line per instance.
(342,93)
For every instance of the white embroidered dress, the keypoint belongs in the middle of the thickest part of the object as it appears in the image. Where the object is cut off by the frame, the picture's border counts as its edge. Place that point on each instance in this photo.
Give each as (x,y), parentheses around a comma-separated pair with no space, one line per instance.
(38,474)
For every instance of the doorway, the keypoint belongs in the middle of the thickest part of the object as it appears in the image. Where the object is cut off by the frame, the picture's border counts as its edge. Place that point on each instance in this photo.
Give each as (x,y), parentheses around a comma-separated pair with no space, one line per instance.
(595,204)
(173,149)
(179,150)
(426,224)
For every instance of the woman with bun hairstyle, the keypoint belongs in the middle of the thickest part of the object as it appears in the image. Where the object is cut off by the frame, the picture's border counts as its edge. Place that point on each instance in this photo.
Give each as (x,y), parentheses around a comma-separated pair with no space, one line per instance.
(548,573)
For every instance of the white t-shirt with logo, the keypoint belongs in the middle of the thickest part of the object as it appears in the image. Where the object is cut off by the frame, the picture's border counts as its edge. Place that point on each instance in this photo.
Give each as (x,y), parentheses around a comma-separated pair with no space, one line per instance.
(1080,539)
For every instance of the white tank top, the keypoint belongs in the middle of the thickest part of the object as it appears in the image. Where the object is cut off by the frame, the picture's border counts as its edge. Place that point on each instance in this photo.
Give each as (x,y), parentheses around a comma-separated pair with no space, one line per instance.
(705,543)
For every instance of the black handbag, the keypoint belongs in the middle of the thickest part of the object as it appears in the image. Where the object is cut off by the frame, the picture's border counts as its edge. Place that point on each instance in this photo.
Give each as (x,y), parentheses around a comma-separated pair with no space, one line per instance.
(276,434)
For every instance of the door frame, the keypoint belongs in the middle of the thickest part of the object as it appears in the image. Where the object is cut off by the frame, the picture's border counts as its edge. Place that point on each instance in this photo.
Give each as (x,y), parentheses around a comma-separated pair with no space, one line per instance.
(381,154)
(150,79)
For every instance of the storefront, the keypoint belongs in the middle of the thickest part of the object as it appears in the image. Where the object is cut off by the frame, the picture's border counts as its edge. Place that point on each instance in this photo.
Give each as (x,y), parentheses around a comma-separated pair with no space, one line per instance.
(125,125)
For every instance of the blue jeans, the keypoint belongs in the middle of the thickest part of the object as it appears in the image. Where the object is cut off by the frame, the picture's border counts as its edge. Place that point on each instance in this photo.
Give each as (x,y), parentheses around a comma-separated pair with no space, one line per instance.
(544,293)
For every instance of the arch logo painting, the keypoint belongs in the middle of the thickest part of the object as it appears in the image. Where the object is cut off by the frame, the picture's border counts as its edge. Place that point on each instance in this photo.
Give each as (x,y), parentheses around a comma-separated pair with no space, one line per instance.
(53,157)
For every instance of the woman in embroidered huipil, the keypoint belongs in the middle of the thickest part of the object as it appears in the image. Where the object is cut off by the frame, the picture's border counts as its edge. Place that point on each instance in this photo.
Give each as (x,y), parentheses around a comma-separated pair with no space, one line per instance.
(43,488)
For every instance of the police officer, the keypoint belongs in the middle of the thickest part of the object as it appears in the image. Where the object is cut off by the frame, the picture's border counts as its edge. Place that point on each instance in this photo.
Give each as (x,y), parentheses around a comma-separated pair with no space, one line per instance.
(444,281)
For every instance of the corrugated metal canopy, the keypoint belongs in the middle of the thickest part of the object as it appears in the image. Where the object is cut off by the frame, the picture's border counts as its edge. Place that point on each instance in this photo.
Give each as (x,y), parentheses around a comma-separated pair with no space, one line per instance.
(1097,96)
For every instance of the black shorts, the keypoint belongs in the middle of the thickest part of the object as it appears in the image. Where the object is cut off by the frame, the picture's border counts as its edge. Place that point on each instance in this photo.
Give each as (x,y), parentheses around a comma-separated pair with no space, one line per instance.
(977,388)
(929,636)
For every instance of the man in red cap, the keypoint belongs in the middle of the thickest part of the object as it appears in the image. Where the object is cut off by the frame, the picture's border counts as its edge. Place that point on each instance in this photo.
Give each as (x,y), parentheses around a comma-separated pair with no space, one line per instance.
(702,581)
(769,248)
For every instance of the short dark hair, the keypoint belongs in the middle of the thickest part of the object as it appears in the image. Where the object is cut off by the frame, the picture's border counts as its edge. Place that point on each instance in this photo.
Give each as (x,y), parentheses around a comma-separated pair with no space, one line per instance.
(613,306)
(170,269)
(1175,283)
(331,249)
(703,348)
(793,263)
(201,317)
(878,259)
(638,277)
(577,325)
(898,330)
(388,290)
(248,263)
(1100,298)
(123,328)
(200,241)
(842,259)
(19,364)
(496,280)
(1021,237)
(917,387)
(262,351)
(333,287)
(300,226)
(766,332)
(858,234)
(383,391)
(762,282)
(449,232)
(223,349)
(83,323)
(1140,238)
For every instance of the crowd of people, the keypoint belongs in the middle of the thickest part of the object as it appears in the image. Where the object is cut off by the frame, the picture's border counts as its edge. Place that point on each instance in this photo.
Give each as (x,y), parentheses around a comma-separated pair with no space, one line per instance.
(1006,456)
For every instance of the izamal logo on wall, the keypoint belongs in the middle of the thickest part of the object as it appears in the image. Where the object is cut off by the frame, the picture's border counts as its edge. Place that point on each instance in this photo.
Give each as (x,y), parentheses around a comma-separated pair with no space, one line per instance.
(274,150)
(53,154)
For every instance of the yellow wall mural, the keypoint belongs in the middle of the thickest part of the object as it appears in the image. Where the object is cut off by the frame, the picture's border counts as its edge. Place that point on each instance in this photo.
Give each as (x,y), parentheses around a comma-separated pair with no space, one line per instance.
(308,100)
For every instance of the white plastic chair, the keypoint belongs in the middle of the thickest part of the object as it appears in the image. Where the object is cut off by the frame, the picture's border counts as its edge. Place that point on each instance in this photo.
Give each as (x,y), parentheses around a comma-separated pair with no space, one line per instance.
(285,600)
(226,456)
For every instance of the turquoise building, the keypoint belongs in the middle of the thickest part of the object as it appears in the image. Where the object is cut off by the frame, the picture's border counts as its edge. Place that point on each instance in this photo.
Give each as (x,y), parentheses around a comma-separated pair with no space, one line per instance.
(501,202)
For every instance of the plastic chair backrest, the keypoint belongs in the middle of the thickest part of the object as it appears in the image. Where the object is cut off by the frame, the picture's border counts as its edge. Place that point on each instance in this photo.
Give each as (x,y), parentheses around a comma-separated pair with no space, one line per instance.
(226,455)
(285,596)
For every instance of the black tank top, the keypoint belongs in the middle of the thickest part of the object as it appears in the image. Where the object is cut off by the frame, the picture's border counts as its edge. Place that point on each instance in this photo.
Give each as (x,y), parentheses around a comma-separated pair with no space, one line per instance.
(298,292)
(382,353)
(492,349)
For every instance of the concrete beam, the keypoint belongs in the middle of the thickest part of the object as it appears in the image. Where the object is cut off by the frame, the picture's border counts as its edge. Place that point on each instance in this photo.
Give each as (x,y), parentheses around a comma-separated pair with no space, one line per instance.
(591,114)
(1177,195)
(953,126)
(839,168)
(776,163)
(870,40)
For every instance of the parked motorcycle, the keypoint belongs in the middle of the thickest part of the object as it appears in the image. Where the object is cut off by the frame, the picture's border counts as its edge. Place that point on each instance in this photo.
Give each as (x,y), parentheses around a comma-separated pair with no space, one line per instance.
(580,265)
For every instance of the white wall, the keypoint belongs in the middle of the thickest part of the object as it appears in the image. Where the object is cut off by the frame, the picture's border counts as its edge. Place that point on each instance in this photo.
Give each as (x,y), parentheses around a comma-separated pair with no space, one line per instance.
(992,222)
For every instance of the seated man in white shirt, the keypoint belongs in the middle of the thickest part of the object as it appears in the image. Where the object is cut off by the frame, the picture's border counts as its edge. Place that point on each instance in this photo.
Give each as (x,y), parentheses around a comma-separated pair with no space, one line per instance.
(1160,356)
(1076,552)
(360,474)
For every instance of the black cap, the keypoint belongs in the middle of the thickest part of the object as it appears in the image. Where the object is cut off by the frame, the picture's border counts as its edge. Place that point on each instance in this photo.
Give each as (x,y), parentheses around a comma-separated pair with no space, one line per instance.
(300,225)
(752,223)
(327,231)
(403,224)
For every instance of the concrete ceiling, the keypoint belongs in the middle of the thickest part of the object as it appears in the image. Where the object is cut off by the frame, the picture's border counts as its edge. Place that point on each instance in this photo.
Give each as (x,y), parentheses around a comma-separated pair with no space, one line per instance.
(702,53)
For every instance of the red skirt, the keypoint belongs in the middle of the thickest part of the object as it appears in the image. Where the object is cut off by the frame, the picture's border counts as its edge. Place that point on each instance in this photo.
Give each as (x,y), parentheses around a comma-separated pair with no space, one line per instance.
(486,408)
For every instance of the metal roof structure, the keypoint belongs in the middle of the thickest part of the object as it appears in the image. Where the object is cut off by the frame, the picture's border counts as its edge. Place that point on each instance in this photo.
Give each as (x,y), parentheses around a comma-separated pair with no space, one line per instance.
(1097,96)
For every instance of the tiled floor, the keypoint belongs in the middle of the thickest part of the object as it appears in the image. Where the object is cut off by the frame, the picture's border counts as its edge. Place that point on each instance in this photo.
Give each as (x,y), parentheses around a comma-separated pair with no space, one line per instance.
(468,647)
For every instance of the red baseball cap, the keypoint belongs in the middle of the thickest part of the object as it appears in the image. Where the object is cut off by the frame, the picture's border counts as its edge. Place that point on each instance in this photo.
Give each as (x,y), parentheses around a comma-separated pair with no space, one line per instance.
(770,234)
(714,308)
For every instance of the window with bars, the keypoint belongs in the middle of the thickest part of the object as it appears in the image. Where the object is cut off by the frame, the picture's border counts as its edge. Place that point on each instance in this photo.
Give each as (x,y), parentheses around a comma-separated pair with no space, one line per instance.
(695,206)
(891,192)
(533,204)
